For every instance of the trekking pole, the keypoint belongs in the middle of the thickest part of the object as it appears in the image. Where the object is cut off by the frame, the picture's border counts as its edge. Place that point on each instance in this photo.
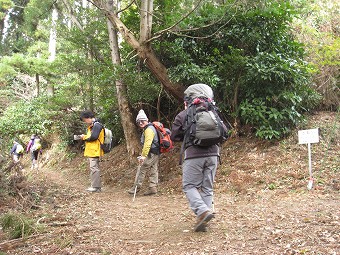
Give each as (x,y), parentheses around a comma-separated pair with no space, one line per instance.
(212,199)
(136,180)
(213,206)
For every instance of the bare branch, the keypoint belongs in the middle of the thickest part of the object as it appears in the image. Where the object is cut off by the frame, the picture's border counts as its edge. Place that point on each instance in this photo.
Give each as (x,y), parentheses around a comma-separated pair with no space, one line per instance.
(127,7)
(201,37)
(73,18)
(178,32)
(175,24)
(94,4)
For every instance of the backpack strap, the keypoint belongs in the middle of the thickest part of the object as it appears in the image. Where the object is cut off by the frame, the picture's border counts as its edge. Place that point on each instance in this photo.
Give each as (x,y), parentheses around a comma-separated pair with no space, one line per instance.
(155,142)
(189,123)
(102,127)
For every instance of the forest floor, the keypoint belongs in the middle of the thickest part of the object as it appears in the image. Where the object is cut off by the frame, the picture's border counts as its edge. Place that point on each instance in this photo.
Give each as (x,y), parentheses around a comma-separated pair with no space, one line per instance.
(261,203)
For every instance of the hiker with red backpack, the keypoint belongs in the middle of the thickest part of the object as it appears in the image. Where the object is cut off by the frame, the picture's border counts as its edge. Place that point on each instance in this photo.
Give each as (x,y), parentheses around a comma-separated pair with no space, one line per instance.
(149,158)
(201,130)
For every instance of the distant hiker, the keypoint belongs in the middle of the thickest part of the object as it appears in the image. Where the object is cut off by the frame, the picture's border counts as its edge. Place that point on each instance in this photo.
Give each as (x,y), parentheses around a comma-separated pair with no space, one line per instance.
(28,149)
(93,140)
(17,151)
(200,162)
(30,144)
(34,147)
(149,158)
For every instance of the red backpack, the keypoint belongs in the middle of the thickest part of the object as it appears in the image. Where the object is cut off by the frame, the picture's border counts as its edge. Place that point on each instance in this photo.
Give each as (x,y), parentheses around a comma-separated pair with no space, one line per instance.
(164,137)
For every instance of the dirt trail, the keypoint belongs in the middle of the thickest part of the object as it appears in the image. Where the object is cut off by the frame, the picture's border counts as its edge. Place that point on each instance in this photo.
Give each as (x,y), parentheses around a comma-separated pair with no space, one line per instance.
(261,201)
(267,222)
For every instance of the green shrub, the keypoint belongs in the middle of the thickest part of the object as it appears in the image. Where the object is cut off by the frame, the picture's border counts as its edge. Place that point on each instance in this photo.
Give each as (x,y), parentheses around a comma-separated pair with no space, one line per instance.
(253,62)
(27,118)
(17,226)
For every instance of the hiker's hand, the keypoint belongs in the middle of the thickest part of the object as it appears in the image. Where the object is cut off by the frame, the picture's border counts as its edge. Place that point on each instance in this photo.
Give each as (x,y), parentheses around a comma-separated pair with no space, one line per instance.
(141,159)
(82,136)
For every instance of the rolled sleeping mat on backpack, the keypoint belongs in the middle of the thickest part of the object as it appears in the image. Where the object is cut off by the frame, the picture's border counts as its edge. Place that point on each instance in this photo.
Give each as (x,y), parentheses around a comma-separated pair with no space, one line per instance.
(198,90)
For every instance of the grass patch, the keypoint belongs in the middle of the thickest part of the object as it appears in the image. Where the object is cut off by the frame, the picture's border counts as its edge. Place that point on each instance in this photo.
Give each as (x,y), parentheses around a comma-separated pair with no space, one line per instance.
(17,226)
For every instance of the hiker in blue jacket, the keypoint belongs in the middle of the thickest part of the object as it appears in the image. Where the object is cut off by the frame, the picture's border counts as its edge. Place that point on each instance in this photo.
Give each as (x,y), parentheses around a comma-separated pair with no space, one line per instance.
(17,151)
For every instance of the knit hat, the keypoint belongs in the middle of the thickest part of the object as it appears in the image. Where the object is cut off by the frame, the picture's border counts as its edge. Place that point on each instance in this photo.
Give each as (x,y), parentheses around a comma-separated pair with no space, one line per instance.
(141,116)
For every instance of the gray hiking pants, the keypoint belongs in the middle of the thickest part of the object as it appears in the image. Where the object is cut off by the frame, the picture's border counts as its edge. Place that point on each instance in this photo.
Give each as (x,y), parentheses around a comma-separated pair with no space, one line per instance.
(150,165)
(95,173)
(198,180)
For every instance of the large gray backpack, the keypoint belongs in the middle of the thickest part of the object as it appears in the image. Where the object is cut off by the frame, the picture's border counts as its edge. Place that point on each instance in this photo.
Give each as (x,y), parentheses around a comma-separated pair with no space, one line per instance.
(203,125)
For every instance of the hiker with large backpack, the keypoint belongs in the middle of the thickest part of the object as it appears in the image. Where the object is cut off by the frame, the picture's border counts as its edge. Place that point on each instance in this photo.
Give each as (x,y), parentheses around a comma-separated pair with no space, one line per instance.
(34,148)
(28,149)
(94,138)
(17,151)
(149,158)
(201,130)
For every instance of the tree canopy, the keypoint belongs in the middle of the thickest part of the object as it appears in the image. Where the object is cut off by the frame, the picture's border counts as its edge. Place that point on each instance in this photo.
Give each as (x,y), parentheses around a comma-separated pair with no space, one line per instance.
(264,71)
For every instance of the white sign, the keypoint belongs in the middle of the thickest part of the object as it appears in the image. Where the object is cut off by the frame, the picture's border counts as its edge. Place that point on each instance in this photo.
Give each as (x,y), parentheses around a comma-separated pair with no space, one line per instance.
(308,136)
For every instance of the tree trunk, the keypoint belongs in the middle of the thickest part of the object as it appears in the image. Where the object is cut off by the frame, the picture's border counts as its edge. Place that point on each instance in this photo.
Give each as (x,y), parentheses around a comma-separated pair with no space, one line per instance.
(89,83)
(52,47)
(235,107)
(146,12)
(80,25)
(145,53)
(37,82)
(127,121)
(2,26)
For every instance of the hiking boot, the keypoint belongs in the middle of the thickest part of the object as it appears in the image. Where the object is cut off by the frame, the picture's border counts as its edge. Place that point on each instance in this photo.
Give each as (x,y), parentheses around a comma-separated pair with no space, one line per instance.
(94,189)
(132,190)
(151,191)
(202,220)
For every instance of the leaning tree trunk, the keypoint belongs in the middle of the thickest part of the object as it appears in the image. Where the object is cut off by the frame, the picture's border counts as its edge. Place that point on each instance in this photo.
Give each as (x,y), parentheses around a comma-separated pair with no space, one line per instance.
(144,52)
(131,137)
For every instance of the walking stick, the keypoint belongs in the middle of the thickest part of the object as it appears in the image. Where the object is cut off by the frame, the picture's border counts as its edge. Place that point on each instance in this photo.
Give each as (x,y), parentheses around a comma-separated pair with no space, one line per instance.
(136,180)
(213,206)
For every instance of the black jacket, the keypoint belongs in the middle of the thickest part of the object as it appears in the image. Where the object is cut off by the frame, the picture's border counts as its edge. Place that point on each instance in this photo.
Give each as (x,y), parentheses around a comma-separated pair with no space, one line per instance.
(191,151)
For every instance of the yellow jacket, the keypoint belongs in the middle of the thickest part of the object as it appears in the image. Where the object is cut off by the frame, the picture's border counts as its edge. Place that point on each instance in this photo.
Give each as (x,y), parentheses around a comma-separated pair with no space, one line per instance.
(150,141)
(148,138)
(93,140)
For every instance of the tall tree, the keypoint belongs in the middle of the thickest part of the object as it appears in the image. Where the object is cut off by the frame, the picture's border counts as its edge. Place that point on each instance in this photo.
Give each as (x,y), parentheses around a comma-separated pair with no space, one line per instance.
(14,37)
(129,128)
(52,46)
(5,5)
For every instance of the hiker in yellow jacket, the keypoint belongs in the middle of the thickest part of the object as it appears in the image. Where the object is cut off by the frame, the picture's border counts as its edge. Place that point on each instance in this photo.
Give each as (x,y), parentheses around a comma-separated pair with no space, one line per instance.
(93,140)
(149,159)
